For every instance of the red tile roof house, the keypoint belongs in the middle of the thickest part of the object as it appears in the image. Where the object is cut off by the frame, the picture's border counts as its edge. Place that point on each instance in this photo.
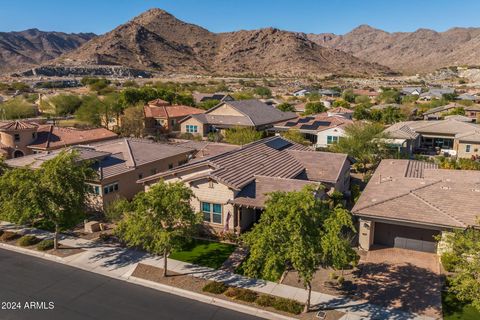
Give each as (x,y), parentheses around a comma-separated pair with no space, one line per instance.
(20,138)
(118,163)
(407,203)
(322,130)
(161,117)
(230,114)
(230,188)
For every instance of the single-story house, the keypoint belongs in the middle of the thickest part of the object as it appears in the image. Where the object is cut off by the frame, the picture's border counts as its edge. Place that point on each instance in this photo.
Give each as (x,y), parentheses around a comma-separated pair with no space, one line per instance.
(162,117)
(301,93)
(118,163)
(372,94)
(231,188)
(436,93)
(468,97)
(408,204)
(472,111)
(402,138)
(468,145)
(411,91)
(21,138)
(340,112)
(231,114)
(439,112)
(219,96)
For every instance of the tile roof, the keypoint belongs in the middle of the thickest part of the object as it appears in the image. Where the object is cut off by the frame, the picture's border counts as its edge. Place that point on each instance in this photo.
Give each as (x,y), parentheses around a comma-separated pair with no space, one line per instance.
(401,130)
(415,192)
(316,123)
(221,120)
(175,111)
(340,110)
(256,192)
(200,97)
(50,137)
(273,157)
(17,125)
(443,108)
(470,137)
(158,103)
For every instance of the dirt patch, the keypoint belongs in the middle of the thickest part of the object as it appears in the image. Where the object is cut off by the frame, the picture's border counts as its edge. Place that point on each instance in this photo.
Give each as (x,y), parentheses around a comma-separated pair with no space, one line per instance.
(190,283)
(65,251)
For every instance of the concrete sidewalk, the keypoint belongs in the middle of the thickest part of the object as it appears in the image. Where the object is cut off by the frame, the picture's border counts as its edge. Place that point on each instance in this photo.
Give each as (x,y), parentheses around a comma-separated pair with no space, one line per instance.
(118,262)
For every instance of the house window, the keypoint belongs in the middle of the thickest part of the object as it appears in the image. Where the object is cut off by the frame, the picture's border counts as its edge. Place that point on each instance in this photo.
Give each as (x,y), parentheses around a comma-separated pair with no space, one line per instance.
(332,139)
(34,135)
(170,165)
(212,212)
(173,122)
(191,128)
(110,188)
(17,137)
(94,189)
(140,176)
(153,171)
(467,148)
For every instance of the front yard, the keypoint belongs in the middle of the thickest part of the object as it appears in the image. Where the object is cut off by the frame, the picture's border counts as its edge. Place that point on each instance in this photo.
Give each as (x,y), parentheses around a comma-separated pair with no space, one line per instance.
(456,310)
(204,253)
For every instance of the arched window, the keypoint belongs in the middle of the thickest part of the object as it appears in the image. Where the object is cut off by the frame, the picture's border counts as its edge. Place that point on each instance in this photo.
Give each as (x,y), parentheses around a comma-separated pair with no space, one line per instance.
(18,154)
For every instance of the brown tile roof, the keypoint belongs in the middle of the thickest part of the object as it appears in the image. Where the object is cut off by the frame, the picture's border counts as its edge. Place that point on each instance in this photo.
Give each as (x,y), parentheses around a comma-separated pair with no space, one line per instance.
(256,192)
(50,137)
(340,110)
(158,103)
(401,130)
(273,157)
(17,125)
(174,111)
(365,92)
(410,191)
(321,166)
(315,123)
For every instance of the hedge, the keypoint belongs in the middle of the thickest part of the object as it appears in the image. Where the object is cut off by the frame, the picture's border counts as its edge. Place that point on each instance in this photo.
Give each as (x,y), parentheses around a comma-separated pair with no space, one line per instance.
(45,245)
(215,287)
(27,240)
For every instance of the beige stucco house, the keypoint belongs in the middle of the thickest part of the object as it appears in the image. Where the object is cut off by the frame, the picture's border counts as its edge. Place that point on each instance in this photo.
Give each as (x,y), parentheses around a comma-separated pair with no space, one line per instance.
(230,188)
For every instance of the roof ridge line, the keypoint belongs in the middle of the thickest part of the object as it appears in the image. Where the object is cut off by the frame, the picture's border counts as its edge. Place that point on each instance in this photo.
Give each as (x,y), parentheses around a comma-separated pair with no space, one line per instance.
(436,208)
(130,153)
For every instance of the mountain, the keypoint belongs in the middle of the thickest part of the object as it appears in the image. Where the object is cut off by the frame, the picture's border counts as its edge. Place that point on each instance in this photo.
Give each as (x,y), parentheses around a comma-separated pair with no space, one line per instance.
(156,40)
(410,52)
(31,47)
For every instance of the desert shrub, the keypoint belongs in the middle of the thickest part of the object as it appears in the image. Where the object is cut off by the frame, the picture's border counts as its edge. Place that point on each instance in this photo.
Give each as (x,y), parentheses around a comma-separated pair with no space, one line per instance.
(241,294)
(449,260)
(27,240)
(340,280)
(215,287)
(45,245)
(287,305)
(332,275)
(265,300)
(9,236)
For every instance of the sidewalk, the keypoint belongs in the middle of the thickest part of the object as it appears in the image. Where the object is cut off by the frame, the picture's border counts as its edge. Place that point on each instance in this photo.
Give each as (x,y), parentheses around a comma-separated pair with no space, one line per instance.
(119,262)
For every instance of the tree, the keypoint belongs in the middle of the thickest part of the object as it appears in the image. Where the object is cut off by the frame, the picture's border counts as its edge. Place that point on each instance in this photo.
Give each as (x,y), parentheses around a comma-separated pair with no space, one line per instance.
(299,231)
(363,142)
(361,99)
(340,103)
(286,107)
(464,261)
(243,95)
(314,108)
(296,136)
(361,112)
(263,92)
(241,136)
(392,115)
(111,106)
(17,108)
(65,104)
(208,104)
(133,123)
(89,111)
(160,219)
(389,96)
(349,96)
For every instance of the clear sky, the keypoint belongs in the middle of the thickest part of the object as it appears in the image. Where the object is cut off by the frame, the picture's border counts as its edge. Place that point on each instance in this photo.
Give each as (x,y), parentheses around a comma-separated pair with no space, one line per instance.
(337,16)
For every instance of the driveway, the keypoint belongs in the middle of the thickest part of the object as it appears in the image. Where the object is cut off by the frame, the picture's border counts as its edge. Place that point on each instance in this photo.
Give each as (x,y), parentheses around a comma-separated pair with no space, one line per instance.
(401,279)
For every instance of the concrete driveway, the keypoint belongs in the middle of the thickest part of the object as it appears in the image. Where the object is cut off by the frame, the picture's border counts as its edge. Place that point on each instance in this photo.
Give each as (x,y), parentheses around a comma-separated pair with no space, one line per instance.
(401,279)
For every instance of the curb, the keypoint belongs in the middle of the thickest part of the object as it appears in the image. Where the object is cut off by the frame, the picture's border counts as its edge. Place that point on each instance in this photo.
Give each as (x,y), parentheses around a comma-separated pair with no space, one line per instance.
(209,299)
(158,286)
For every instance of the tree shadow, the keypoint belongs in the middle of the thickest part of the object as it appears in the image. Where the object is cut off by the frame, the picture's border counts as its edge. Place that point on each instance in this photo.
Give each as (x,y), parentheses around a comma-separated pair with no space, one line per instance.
(118,257)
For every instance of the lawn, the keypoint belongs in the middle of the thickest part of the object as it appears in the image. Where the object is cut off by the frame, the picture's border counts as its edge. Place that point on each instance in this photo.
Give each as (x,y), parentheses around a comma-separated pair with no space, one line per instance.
(456,310)
(204,253)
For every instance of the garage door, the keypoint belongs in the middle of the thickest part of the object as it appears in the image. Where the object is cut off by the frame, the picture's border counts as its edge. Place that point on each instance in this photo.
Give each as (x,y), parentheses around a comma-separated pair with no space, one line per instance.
(405,237)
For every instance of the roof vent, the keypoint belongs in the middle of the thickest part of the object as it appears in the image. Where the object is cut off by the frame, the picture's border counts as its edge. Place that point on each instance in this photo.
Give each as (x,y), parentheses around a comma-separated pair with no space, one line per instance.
(374,200)
(446,188)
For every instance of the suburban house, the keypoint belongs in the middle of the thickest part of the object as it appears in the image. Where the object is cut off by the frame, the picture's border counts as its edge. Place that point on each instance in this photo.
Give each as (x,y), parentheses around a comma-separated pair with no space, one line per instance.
(218,96)
(440,112)
(411,91)
(162,117)
(301,93)
(408,204)
(468,97)
(21,138)
(340,112)
(118,163)
(231,114)
(231,188)
(473,111)
(322,92)
(372,94)
(436,93)
(321,130)
(384,106)
(402,138)
(439,136)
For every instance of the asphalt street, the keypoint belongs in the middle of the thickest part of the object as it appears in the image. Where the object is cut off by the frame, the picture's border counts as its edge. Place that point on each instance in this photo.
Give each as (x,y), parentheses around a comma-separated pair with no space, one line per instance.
(33,286)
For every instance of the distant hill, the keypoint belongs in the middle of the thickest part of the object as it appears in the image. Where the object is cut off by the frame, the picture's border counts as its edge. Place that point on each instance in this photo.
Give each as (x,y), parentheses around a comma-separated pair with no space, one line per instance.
(157,40)
(410,52)
(32,47)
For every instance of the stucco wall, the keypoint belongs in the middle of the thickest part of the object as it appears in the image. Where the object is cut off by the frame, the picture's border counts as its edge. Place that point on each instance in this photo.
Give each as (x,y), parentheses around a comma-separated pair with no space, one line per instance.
(201,127)
(461,148)
(322,136)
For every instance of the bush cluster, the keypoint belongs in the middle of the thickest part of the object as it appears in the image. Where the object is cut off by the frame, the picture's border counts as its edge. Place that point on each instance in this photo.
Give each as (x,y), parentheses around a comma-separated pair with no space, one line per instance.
(27,240)
(241,294)
(215,287)
(9,236)
(45,245)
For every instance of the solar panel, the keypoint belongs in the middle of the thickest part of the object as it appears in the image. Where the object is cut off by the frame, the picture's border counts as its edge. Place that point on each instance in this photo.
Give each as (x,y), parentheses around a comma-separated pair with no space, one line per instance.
(315,125)
(278,144)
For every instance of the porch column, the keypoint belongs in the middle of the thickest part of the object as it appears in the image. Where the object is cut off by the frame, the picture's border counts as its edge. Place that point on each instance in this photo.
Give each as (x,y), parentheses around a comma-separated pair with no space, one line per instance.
(238,213)
(366,234)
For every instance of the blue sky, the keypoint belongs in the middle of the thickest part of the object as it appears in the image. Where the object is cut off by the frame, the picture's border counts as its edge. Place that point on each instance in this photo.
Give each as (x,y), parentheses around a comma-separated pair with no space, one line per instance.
(337,16)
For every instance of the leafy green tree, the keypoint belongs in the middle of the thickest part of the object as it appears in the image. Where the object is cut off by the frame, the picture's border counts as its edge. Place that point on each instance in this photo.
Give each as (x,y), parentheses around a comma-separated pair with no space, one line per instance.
(116,209)
(455,111)
(361,99)
(286,107)
(133,122)
(65,104)
(208,104)
(449,96)
(16,108)
(243,95)
(111,106)
(389,96)
(409,99)
(349,96)
(340,103)
(361,112)
(300,231)
(363,142)
(89,111)
(242,136)
(465,262)
(314,108)
(296,136)
(263,92)
(392,115)
(160,219)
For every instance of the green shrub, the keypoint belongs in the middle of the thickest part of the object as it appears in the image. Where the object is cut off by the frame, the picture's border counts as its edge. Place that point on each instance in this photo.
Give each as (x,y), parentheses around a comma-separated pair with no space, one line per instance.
(1,232)
(332,275)
(215,287)
(27,240)
(265,300)
(9,236)
(288,305)
(449,260)
(340,280)
(45,245)
(241,294)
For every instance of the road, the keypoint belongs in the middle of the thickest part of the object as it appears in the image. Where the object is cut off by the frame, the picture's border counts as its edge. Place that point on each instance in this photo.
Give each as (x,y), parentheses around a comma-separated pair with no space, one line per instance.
(78,294)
